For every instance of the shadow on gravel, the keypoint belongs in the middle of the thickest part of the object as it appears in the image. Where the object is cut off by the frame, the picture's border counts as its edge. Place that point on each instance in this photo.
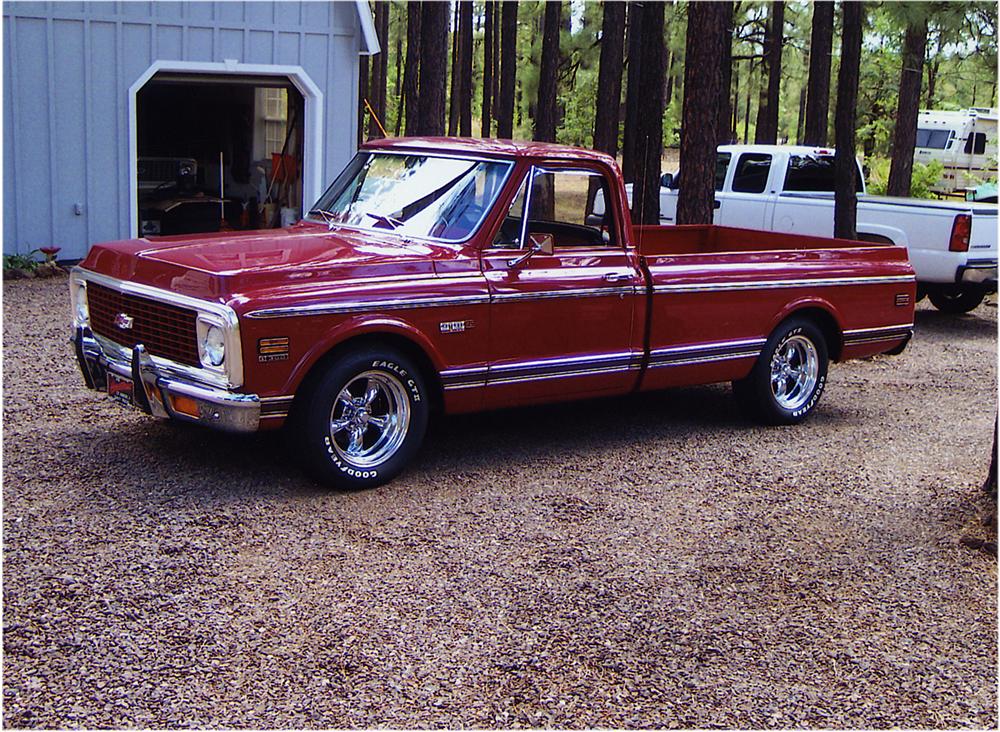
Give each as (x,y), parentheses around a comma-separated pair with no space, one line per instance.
(968,326)
(157,461)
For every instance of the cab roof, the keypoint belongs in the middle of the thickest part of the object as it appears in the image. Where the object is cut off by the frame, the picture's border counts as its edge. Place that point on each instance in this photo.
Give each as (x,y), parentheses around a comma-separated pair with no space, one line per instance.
(487,147)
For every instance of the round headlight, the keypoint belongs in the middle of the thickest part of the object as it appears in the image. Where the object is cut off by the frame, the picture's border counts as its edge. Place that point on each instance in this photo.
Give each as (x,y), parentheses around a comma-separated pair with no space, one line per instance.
(81,309)
(214,345)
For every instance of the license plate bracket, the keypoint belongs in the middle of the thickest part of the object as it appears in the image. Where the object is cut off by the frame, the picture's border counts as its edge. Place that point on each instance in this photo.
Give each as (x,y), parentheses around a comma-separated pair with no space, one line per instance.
(121,389)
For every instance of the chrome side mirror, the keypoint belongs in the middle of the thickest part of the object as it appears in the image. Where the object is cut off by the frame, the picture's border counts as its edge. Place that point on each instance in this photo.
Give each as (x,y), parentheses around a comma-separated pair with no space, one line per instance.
(538,244)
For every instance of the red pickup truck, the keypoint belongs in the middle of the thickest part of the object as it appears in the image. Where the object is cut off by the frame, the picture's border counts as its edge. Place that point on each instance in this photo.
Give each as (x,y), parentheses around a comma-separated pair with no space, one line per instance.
(460,275)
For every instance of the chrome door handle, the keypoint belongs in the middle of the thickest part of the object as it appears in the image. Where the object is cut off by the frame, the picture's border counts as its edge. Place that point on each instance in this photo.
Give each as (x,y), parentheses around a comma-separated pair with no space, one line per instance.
(617,276)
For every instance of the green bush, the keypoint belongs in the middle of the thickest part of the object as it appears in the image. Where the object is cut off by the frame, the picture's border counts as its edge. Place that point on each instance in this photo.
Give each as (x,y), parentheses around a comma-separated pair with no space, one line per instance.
(24,262)
(924,176)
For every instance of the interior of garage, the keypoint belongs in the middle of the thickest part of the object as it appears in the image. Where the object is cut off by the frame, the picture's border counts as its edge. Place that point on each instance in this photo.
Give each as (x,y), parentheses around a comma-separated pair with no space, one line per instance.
(218,152)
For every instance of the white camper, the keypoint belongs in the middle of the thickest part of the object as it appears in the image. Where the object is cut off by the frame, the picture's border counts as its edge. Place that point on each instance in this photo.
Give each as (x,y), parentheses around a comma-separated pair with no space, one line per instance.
(964,141)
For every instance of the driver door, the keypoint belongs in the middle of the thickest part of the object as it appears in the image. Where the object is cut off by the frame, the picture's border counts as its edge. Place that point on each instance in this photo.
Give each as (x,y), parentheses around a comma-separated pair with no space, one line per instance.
(562,316)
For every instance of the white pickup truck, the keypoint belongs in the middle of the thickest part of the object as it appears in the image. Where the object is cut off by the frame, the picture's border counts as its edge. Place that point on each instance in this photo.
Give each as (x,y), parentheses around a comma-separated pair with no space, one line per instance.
(952,244)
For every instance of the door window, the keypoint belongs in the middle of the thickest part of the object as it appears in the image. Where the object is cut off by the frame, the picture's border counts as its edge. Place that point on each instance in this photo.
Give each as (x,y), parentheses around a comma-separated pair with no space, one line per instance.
(560,204)
(751,173)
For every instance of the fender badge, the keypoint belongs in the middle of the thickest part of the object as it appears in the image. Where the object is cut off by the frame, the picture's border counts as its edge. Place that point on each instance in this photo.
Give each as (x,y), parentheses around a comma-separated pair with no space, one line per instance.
(456,326)
(124,321)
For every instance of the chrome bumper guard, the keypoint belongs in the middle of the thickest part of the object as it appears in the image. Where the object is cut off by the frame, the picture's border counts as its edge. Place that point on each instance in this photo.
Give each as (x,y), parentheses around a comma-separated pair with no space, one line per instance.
(153,390)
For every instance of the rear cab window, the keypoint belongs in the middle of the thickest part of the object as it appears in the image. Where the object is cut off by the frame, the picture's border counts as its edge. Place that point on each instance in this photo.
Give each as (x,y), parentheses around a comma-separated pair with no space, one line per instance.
(751,173)
(813,174)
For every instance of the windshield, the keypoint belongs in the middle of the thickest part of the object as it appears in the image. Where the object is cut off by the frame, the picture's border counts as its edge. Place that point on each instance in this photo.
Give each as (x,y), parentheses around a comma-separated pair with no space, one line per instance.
(414,195)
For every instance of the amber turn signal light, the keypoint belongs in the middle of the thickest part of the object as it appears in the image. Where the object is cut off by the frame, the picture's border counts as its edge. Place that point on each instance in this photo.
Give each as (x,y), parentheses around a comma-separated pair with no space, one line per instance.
(185,405)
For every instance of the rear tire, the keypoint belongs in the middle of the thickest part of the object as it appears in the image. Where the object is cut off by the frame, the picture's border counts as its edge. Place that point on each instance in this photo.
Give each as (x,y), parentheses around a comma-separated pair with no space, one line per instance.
(956,300)
(790,374)
(360,422)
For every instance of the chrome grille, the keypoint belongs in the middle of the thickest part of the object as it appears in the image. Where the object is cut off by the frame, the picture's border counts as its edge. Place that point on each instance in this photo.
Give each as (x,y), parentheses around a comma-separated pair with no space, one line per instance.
(167,331)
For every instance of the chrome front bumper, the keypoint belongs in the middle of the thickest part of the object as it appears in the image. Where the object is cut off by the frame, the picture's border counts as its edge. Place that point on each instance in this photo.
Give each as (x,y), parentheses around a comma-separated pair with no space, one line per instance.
(159,393)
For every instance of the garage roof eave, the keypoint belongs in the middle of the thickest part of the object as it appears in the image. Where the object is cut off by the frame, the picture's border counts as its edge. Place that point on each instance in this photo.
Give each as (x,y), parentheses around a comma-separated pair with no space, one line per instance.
(369,38)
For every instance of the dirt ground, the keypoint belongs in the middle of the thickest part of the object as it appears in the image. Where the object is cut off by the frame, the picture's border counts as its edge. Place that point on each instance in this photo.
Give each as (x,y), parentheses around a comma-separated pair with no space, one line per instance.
(652,561)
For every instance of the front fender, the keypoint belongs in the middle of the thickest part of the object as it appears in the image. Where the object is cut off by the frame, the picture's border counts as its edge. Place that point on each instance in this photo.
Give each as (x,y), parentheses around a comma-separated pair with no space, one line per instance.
(357,326)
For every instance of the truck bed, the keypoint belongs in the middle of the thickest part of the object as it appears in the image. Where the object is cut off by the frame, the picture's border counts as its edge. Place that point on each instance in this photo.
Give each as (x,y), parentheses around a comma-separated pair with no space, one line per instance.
(709,239)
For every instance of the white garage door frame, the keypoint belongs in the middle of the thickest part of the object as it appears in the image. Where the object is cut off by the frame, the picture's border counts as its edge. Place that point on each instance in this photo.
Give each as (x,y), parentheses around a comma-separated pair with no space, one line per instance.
(312,158)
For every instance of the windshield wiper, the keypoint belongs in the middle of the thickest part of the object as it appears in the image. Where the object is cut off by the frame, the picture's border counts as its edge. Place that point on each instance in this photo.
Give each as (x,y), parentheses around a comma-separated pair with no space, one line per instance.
(387,220)
(329,217)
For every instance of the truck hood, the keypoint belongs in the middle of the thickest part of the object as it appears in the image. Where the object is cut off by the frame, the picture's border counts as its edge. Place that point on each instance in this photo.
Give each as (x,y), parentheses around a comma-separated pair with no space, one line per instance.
(220,267)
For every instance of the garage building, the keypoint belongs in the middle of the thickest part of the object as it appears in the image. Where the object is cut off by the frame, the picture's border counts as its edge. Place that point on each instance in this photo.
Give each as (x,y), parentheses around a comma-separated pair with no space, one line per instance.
(124,119)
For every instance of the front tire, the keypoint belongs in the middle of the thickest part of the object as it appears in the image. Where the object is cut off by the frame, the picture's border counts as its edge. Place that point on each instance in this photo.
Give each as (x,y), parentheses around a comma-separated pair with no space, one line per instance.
(362,420)
(956,300)
(790,374)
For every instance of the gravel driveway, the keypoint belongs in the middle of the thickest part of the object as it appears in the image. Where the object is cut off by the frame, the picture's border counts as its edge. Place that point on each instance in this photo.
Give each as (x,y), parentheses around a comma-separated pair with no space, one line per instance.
(652,561)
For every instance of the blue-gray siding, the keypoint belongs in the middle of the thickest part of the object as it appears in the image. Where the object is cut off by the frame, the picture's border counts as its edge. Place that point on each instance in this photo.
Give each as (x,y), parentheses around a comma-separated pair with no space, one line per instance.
(67,71)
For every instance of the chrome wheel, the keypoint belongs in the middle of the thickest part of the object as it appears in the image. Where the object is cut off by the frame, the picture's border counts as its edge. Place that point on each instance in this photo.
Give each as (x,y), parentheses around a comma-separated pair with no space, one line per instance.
(794,372)
(369,419)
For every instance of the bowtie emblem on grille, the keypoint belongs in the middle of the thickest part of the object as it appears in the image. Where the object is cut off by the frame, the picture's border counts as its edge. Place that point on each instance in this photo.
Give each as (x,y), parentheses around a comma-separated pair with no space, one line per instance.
(124,321)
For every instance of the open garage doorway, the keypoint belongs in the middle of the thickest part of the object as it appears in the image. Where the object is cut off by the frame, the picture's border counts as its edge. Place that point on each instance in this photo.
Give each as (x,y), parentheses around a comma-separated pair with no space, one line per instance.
(217,152)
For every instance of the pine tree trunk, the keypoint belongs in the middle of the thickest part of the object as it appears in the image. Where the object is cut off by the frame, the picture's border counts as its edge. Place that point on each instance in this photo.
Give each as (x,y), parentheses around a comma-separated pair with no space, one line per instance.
(800,125)
(486,128)
(767,114)
(433,68)
(411,71)
(699,123)
(508,69)
(818,92)
(380,69)
(453,89)
(465,68)
(609,78)
(632,90)
(726,61)
(399,83)
(904,138)
(649,130)
(495,91)
(363,79)
(545,110)
(668,86)
(845,210)
(746,117)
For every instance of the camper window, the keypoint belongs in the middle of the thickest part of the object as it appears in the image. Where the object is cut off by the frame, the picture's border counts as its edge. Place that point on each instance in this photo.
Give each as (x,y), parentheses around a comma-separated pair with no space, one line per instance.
(932,138)
(976,143)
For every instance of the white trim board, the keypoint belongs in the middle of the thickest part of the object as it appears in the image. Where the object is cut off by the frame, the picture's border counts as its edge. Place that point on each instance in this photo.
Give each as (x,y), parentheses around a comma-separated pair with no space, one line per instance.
(312,125)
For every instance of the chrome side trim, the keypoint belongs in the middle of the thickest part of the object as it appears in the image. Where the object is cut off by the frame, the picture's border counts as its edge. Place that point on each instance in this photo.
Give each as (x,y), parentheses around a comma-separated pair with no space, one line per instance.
(879,329)
(231,377)
(360,307)
(706,353)
(555,294)
(877,335)
(561,375)
(715,346)
(435,301)
(778,284)
(540,369)
(750,353)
